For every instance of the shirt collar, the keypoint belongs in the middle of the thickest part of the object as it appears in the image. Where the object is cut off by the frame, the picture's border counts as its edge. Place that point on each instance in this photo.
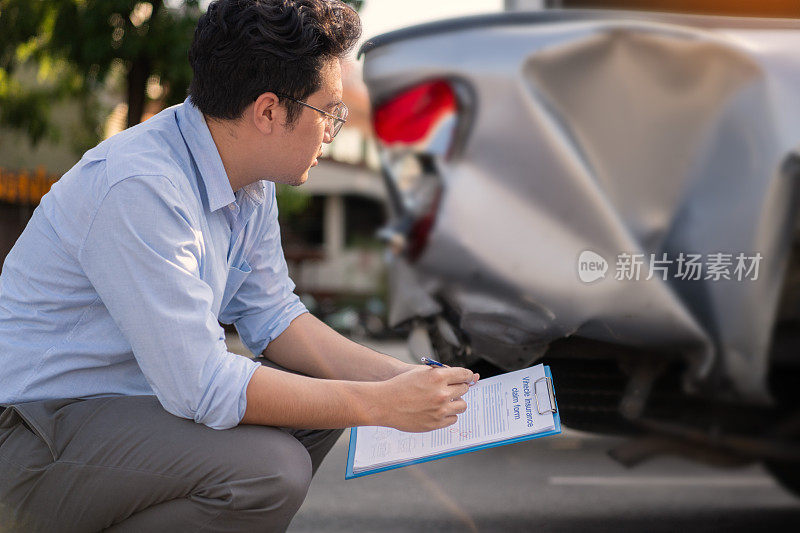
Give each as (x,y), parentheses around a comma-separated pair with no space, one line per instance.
(257,191)
(198,138)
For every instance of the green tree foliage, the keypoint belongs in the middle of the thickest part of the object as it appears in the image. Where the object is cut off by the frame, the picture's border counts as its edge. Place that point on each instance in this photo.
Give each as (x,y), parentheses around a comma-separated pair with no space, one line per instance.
(291,201)
(74,45)
(20,107)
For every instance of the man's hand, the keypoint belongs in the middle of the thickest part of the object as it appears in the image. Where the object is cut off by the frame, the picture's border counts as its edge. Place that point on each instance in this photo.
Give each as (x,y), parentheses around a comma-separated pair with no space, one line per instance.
(358,386)
(423,398)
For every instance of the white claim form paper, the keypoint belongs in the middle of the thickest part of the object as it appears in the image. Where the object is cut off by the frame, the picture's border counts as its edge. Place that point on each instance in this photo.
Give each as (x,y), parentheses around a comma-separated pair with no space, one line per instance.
(508,408)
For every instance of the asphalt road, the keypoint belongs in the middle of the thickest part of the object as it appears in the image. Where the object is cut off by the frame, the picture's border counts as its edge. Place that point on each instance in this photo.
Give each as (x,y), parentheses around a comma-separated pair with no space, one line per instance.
(563,483)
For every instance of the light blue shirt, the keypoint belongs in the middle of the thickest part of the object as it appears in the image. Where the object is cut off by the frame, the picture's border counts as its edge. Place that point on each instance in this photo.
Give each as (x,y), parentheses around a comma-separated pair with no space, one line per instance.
(117,283)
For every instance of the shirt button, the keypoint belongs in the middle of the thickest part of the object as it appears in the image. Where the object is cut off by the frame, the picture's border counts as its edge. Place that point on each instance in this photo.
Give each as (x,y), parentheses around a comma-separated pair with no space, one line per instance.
(231,207)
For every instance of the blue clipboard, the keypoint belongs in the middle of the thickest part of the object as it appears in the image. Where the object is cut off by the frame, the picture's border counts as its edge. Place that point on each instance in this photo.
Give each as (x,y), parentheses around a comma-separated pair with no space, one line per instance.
(349,474)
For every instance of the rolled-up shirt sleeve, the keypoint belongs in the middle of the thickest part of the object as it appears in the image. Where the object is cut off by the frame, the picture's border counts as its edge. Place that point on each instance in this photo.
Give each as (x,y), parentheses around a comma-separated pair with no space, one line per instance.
(265,304)
(142,253)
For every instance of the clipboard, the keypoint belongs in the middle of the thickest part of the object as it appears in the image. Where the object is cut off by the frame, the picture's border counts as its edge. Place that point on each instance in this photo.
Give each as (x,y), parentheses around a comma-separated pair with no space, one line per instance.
(547,381)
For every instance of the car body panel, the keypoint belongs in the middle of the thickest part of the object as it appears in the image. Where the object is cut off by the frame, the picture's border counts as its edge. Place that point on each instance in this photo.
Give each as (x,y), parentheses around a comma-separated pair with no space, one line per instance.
(613,133)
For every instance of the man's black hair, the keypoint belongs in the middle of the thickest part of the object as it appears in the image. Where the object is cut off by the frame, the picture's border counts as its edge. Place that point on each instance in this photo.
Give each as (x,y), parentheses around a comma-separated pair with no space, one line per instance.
(243,48)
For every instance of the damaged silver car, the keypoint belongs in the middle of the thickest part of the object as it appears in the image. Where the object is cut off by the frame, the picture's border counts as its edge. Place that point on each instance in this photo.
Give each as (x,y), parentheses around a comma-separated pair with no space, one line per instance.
(613,194)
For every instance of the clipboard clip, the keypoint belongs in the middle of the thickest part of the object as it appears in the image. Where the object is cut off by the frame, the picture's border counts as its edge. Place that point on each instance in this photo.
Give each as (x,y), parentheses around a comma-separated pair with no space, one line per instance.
(550,394)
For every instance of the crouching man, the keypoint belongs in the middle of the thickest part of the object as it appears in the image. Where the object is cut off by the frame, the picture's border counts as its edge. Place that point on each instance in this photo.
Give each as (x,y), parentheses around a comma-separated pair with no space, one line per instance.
(120,407)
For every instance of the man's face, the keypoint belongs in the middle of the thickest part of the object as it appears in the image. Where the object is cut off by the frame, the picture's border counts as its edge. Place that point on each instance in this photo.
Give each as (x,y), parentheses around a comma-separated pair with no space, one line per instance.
(301,144)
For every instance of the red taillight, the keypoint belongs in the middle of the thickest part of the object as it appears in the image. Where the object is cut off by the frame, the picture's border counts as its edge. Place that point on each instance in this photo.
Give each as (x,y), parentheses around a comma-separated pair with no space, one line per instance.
(411,116)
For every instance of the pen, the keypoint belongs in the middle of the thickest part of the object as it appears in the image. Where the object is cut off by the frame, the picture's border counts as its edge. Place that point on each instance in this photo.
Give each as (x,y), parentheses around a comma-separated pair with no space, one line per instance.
(431,362)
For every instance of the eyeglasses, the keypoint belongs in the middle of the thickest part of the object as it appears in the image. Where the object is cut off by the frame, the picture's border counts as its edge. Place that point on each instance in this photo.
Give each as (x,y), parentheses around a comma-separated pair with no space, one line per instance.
(335,120)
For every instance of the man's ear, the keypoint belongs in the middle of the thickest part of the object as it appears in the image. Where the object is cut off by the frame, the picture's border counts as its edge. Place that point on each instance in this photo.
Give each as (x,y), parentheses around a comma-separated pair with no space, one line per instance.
(266,113)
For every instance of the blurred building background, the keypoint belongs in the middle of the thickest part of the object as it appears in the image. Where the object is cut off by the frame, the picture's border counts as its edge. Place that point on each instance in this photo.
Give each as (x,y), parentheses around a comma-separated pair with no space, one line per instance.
(737,8)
